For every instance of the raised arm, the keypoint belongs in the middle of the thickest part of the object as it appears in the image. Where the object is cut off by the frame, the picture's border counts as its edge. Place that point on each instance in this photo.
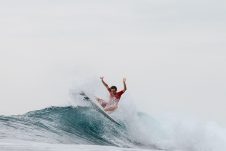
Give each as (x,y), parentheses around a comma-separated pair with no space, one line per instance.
(124,84)
(104,83)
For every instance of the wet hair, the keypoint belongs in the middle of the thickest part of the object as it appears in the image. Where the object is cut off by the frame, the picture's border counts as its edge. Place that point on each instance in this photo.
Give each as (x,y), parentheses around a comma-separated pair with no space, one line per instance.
(114,87)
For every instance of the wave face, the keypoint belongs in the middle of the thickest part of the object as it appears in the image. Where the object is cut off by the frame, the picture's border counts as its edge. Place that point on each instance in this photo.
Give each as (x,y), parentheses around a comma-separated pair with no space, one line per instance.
(79,125)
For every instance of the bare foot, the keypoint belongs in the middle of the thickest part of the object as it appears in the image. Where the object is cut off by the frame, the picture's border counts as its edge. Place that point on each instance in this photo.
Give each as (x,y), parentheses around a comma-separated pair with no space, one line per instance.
(98,99)
(110,108)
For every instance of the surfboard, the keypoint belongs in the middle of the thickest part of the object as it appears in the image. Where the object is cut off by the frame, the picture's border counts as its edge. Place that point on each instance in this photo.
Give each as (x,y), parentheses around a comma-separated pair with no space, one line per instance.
(96,107)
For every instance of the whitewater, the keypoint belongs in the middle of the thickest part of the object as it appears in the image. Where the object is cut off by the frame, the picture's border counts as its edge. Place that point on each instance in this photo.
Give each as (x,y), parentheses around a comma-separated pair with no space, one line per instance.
(81,128)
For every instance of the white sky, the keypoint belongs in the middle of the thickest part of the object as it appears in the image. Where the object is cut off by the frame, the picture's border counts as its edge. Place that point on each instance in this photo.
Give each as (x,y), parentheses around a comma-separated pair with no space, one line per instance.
(173,53)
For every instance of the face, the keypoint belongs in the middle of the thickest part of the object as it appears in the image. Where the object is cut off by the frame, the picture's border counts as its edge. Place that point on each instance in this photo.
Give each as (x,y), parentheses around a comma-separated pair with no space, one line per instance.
(113,91)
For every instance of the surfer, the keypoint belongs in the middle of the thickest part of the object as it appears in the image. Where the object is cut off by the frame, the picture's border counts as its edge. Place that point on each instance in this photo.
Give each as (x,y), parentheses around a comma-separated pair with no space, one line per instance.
(114,97)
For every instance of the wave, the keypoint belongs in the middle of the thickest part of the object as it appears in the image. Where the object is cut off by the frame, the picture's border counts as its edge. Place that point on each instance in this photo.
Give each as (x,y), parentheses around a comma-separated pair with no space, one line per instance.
(79,125)
(84,125)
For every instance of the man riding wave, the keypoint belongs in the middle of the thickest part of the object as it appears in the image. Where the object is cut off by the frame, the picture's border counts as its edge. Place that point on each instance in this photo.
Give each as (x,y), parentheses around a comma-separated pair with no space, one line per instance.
(112,104)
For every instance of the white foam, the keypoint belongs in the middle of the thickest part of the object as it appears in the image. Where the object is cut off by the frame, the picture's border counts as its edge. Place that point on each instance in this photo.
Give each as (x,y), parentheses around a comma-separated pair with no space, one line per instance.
(170,131)
(16,145)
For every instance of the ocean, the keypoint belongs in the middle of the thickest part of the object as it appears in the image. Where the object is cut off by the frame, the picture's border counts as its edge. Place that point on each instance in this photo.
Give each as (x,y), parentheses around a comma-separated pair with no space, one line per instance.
(72,128)
(82,128)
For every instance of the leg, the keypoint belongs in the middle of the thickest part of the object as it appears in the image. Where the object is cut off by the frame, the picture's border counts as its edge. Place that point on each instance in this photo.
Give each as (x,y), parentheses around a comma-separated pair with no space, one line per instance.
(110,108)
(102,102)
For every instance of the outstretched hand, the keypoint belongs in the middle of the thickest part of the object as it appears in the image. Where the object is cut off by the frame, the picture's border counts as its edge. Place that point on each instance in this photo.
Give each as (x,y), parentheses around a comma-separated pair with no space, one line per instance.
(124,79)
(102,78)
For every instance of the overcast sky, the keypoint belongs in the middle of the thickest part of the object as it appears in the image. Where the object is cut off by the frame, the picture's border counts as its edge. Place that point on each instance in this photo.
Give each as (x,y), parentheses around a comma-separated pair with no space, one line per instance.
(173,53)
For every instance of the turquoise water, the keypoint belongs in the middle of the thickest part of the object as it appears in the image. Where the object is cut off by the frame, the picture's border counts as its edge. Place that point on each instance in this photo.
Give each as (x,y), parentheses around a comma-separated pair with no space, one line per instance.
(67,125)
(83,128)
